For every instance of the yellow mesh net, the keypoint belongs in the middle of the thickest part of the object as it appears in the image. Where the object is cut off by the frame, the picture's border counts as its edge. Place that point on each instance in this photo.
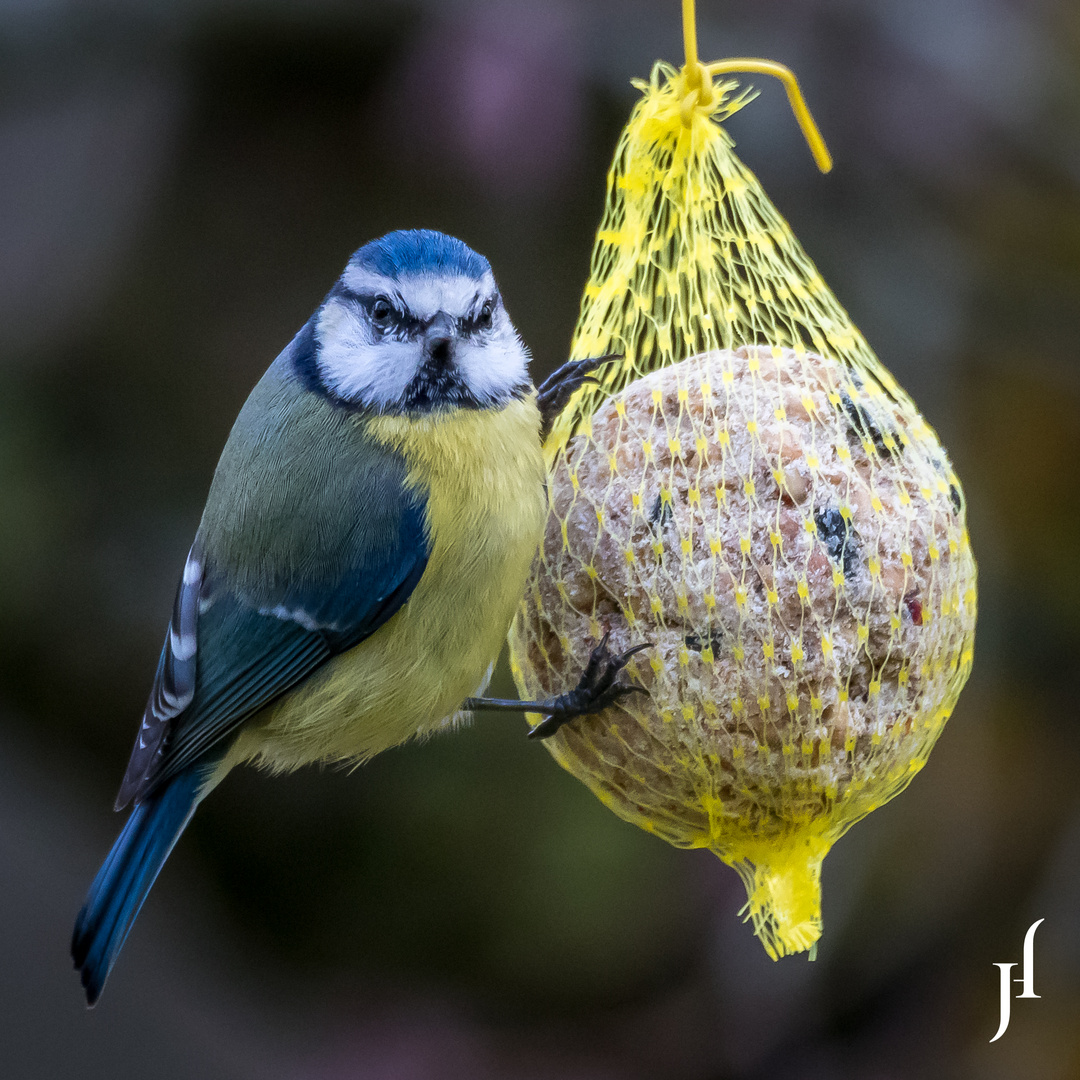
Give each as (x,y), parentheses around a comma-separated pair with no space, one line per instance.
(750,491)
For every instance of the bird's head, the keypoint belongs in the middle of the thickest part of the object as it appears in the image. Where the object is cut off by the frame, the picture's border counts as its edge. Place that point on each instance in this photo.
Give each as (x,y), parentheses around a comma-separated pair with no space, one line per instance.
(416,324)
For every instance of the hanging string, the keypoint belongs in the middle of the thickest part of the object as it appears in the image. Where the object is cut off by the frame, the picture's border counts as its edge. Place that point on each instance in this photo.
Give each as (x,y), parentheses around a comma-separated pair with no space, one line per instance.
(700,93)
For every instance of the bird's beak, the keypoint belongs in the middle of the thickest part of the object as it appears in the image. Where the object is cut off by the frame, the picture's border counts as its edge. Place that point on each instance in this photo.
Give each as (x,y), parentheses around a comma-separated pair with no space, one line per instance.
(439,335)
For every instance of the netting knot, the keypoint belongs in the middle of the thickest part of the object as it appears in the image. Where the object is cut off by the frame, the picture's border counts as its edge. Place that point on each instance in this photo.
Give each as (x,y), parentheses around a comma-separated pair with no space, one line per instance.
(700,92)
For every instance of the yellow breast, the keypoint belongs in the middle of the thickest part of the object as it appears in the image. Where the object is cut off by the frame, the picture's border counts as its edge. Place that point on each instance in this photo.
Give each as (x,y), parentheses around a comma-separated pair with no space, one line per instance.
(482,475)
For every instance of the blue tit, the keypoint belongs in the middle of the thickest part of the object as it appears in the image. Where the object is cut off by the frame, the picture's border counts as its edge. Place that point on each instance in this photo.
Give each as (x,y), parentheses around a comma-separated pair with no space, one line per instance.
(366,539)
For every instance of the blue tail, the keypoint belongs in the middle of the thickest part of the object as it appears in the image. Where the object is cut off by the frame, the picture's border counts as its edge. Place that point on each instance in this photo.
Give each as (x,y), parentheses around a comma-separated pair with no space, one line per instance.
(124,879)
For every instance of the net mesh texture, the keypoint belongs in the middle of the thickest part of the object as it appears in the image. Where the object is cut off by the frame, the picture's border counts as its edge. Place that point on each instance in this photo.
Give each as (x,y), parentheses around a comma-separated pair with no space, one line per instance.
(751,492)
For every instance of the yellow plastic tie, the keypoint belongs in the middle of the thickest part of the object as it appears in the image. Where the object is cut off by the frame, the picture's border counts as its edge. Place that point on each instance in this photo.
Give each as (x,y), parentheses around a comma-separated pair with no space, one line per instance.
(689,30)
(798,104)
(701,94)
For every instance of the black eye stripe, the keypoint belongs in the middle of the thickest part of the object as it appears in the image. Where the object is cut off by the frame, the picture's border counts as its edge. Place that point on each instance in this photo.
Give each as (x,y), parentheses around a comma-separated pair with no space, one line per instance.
(402,323)
(398,323)
(476,321)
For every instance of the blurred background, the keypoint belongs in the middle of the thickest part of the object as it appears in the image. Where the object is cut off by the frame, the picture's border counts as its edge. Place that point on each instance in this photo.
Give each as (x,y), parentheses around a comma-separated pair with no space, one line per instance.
(179,185)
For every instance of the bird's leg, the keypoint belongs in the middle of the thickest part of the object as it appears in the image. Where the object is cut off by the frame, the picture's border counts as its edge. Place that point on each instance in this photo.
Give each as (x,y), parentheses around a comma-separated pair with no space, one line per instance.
(557,389)
(597,688)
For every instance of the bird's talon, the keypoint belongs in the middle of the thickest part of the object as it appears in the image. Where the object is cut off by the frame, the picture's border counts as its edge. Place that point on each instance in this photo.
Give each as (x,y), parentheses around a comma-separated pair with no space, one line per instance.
(596,689)
(555,391)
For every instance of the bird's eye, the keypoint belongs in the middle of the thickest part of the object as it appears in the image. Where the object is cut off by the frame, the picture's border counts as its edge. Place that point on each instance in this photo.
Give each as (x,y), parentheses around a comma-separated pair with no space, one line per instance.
(484,318)
(381,311)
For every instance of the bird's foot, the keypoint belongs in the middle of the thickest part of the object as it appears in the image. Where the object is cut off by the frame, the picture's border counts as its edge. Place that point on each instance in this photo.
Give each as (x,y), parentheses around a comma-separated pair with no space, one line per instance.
(597,688)
(556,390)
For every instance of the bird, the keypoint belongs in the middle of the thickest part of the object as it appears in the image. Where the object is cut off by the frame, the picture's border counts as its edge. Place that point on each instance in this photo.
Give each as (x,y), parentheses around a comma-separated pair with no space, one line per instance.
(366,539)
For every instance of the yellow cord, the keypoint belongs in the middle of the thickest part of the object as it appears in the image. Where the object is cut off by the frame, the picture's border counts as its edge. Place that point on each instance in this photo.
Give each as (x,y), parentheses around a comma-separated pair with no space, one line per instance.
(791,85)
(689,29)
(698,78)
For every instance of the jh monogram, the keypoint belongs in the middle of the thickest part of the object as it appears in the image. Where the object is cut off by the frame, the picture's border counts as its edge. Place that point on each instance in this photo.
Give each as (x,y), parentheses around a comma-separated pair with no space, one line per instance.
(1027,980)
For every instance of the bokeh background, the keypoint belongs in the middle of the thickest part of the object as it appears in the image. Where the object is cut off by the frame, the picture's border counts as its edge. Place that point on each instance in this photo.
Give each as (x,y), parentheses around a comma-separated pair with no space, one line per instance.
(179,184)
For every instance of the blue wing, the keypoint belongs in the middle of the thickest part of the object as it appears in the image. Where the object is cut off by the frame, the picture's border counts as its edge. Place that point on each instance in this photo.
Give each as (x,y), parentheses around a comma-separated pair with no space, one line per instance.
(239,656)
(281,577)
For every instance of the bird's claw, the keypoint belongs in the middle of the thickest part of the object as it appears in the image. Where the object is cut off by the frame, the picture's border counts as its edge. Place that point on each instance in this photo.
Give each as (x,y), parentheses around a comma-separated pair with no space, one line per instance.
(555,392)
(597,688)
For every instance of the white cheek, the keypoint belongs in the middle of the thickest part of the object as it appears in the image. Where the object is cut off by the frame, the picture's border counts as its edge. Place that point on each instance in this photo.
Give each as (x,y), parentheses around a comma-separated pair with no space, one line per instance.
(495,369)
(356,369)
